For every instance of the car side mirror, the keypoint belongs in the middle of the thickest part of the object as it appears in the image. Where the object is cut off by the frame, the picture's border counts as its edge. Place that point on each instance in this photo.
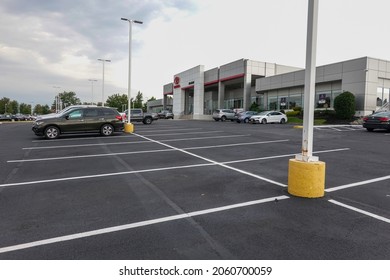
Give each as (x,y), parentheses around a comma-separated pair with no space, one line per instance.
(67,117)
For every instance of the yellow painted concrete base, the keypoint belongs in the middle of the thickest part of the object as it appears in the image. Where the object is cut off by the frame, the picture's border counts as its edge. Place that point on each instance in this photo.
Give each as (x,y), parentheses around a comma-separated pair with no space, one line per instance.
(129,127)
(306,179)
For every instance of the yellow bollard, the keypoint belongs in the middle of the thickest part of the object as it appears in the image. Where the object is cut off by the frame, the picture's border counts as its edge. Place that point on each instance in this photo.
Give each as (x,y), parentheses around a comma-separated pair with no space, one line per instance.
(306,179)
(129,128)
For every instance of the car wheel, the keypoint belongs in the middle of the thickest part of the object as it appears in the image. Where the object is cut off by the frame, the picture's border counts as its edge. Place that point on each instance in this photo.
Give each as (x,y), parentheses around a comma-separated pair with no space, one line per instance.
(264,121)
(107,130)
(246,120)
(282,121)
(147,121)
(52,132)
(223,118)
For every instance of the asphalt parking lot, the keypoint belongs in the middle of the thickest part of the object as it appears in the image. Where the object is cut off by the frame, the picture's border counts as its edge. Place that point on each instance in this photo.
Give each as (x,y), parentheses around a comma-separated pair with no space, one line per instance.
(192,190)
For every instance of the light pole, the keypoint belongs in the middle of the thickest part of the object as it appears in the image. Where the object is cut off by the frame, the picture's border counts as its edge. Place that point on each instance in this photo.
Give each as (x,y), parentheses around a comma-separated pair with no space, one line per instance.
(306,174)
(103,61)
(57,100)
(129,128)
(92,80)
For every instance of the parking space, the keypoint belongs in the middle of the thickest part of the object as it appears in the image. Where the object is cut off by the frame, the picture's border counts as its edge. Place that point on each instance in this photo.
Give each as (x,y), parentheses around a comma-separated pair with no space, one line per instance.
(191,190)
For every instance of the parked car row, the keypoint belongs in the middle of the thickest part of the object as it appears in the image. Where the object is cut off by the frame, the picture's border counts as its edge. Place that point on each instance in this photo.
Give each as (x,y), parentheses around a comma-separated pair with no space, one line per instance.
(16,117)
(250,116)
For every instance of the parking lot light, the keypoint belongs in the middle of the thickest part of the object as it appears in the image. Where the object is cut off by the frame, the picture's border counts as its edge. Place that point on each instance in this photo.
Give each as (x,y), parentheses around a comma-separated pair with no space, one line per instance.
(129,127)
(306,174)
(103,61)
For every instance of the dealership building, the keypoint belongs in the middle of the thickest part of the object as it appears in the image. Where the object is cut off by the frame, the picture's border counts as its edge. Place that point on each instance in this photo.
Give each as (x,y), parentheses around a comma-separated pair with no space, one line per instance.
(195,93)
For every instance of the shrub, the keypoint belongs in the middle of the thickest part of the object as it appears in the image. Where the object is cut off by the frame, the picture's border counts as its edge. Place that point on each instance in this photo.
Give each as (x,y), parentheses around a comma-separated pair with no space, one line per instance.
(254,107)
(344,105)
(292,113)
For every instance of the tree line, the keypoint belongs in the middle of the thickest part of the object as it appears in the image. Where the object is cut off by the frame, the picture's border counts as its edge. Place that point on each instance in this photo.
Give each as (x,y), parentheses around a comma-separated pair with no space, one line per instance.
(65,99)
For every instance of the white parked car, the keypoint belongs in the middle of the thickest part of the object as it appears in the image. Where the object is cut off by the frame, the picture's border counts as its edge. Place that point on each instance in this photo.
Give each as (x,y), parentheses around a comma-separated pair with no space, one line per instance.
(269,117)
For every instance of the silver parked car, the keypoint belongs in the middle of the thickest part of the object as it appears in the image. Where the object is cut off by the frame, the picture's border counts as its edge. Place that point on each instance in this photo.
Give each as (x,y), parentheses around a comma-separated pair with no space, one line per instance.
(224,114)
(269,117)
(245,116)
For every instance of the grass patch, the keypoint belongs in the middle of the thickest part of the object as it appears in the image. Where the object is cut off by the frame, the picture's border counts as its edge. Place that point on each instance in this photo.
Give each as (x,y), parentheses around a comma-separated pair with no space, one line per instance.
(295,120)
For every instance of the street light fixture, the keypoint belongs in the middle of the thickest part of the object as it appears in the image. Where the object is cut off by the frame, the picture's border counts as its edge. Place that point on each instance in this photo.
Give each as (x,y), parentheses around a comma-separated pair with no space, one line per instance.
(92,80)
(103,61)
(129,128)
(57,100)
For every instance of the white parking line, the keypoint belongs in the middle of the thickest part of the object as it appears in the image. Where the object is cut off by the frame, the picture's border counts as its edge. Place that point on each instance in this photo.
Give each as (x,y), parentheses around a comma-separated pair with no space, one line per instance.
(136,225)
(158,169)
(142,152)
(383,219)
(358,184)
(169,134)
(133,142)
(214,162)
(100,137)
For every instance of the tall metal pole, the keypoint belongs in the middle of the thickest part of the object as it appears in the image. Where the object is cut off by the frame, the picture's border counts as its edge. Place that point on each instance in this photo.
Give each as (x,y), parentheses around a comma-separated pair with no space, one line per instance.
(306,174)
(310,77)
(129,79)
(92,80)
(103,60)
(57,99)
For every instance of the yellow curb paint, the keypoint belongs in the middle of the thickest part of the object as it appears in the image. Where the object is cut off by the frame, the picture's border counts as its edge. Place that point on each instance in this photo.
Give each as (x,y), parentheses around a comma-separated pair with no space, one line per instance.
(129,127)
(306,179)
(298,126)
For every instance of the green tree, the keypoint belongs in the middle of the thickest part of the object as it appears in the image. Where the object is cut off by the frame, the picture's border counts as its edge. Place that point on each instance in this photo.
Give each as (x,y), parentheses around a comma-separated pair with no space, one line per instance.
(4,105)
(119,101)
(67,99)
(344,105)
(41,109)
(25,108)
(138,100)
(13,107)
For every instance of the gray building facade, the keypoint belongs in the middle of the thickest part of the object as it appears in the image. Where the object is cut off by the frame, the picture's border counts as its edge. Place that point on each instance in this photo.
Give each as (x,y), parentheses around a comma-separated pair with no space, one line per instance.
(197,93)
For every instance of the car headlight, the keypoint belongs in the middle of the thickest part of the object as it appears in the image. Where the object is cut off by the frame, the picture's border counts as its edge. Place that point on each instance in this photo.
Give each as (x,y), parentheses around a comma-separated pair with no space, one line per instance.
(38,123)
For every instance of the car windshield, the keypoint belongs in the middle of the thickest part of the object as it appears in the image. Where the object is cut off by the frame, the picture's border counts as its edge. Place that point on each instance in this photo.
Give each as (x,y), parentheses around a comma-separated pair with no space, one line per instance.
(381,114)
(263,113)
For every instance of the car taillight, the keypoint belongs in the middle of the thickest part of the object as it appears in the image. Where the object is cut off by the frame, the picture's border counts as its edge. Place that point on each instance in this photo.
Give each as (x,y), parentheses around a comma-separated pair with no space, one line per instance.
(119,118)
(384,119)
(365,119)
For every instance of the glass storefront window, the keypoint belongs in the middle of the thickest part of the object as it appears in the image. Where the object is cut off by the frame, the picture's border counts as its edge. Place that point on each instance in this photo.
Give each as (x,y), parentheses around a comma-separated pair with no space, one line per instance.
(323,99)
(379,96)
(295,101)
(283,102)
(233,103)
(386,95)
(272,103)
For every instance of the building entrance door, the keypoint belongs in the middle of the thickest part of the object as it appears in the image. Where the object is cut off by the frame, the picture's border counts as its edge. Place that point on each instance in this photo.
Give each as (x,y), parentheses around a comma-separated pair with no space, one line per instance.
(189,102)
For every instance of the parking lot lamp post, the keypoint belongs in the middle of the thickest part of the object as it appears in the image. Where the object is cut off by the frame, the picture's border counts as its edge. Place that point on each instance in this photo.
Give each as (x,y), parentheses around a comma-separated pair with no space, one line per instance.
(129,127)
(306,174)
(92,80)
(103,61)
(57,99)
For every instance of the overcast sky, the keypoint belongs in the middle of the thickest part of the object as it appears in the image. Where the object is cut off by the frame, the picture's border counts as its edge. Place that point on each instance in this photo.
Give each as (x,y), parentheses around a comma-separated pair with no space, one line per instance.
(52,46)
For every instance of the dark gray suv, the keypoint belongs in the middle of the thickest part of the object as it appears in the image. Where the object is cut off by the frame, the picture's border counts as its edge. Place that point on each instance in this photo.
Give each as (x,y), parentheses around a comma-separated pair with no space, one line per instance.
(102,120)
